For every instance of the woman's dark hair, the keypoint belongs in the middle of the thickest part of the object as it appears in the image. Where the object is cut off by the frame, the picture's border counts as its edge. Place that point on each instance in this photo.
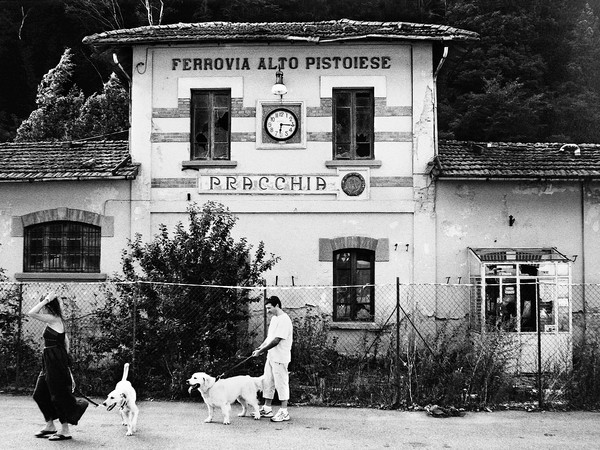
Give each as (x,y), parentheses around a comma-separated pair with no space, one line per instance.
(54,307)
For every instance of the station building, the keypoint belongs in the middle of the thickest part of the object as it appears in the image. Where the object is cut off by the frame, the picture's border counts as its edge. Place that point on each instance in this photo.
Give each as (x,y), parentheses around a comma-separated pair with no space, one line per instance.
(316,135)
(321,137)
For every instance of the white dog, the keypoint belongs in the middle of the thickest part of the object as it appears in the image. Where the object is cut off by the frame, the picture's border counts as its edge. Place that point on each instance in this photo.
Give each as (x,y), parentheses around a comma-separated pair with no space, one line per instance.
(124,395)
(223,393)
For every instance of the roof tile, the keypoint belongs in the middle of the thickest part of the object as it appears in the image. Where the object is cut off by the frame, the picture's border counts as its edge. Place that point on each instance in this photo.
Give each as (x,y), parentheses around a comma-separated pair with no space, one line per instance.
(324,31)
(24,161)
(462,159)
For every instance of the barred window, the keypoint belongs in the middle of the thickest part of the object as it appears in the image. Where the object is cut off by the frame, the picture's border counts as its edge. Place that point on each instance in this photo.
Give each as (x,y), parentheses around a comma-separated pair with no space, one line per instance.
(354,112)
(211,120)
(62,246)
(354,271)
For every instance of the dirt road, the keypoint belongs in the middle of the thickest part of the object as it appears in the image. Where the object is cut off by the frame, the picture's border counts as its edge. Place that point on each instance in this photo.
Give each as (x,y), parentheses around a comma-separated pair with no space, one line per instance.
(172,425)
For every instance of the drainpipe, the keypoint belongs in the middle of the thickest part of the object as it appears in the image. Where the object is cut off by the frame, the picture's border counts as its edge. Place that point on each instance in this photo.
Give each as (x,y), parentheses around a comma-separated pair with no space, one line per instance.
(584,309)
(435,145)
(435,76)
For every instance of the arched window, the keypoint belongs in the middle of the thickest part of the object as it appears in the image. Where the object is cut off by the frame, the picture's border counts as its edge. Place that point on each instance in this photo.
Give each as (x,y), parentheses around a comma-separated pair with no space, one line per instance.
(62,246)
(354,267)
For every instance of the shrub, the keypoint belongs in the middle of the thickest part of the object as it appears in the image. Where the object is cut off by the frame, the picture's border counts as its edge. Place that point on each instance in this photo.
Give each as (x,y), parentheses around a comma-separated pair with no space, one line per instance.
(179,329)
(582,388)
(314,357)
(461,368)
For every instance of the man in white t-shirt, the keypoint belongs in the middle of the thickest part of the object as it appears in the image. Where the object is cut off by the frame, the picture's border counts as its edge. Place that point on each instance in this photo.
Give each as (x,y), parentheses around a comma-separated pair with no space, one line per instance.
(278,346)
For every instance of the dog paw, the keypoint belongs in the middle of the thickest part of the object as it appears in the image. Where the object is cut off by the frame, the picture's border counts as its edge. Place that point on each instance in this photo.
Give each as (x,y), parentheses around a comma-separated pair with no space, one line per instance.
(226,422)
(208,420)
(241,414)
(129,433)
(256,416)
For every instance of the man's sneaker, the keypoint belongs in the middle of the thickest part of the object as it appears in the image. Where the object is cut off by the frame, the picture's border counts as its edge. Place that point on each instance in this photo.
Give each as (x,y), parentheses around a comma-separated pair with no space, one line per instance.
(281,416)
(265,412)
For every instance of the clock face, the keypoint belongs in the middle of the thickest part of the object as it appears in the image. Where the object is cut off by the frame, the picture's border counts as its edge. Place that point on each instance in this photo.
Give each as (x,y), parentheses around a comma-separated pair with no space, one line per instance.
(281,124)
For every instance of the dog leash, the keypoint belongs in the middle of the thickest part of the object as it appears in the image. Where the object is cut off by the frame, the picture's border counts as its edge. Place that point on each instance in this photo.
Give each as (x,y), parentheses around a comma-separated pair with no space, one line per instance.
(79,394)
(234,367)
(77,391)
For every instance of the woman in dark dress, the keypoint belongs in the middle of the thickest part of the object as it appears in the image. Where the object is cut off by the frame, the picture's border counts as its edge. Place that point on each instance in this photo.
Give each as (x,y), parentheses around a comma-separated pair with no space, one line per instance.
(54,390)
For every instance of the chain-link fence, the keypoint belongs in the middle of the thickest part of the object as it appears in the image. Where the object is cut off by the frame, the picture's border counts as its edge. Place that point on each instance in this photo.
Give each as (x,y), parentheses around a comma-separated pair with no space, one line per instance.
(411,344)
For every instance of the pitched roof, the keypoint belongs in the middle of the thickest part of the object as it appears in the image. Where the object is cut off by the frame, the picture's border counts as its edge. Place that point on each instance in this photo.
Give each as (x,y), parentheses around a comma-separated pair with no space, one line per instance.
(316,32)
(59,161)
(501,160)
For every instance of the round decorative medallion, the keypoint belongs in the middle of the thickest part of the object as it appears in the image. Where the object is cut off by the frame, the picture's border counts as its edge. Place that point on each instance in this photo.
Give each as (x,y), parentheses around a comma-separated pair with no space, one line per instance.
(353,184)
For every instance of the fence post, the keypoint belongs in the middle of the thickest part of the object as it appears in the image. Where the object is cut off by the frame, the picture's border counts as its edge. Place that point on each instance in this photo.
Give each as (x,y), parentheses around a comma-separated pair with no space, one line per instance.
(584,307)
(265,311)
(398,383)
(136,293)
(19,334)
(539,358)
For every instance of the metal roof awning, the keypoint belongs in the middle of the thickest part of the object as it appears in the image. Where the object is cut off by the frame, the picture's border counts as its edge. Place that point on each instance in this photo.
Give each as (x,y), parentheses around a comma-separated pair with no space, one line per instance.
(525,255)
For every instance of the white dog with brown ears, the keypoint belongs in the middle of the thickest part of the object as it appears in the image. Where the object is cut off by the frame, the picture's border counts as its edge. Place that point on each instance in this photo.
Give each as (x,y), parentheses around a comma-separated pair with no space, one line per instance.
(222,393)
(125,397)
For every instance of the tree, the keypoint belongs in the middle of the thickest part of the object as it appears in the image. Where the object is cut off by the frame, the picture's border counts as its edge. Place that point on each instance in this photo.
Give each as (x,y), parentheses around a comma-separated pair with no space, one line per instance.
(58,103)
(186,293)
(504,111)
(576,102)
(64,114)
(105,113)
(521,70)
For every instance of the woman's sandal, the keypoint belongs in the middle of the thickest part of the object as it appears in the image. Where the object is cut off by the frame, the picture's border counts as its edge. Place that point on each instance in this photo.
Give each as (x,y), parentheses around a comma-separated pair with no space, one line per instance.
(44,433)
(58,437)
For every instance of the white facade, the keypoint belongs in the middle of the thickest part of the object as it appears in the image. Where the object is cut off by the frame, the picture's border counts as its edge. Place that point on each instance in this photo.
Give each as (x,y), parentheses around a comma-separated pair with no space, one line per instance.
(289,195)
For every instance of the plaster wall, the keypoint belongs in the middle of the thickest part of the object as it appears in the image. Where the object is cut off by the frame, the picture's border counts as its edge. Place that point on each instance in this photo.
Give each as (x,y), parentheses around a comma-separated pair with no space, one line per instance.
(476,214)
(108,199)
(295,238)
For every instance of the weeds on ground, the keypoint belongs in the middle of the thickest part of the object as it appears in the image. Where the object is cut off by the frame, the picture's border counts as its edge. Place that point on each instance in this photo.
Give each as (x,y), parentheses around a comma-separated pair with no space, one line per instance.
(582,387)
(457,369)
(460,368)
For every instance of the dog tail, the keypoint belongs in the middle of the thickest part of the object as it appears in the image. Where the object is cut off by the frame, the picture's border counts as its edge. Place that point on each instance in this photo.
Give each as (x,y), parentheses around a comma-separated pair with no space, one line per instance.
(125,371)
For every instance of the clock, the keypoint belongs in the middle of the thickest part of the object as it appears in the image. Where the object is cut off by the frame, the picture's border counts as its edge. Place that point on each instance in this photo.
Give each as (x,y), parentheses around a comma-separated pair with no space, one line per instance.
(281,124)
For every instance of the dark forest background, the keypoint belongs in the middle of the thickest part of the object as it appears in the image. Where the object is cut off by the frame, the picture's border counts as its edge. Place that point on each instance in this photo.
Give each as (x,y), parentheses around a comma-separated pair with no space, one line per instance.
(533,76)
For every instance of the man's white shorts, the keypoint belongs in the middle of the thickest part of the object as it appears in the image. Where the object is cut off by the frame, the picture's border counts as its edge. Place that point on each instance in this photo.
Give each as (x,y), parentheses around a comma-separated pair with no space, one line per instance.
(276,378)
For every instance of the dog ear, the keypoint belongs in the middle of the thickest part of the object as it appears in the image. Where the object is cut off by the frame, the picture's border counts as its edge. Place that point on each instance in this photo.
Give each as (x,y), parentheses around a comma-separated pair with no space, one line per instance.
(207,382)
(123,395)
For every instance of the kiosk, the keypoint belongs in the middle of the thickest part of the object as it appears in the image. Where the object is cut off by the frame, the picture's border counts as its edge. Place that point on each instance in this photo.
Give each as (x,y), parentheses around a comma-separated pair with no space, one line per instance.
(525,291)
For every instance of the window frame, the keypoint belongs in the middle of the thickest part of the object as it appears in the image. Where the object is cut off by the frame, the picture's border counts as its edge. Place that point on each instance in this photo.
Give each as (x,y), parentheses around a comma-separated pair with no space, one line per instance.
(87,256)
(212,93)
(353,123)
(354,305)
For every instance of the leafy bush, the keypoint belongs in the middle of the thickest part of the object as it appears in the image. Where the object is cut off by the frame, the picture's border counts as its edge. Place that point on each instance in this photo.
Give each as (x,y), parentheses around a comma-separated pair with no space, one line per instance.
(582,388)
(18,357)
(178,330)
